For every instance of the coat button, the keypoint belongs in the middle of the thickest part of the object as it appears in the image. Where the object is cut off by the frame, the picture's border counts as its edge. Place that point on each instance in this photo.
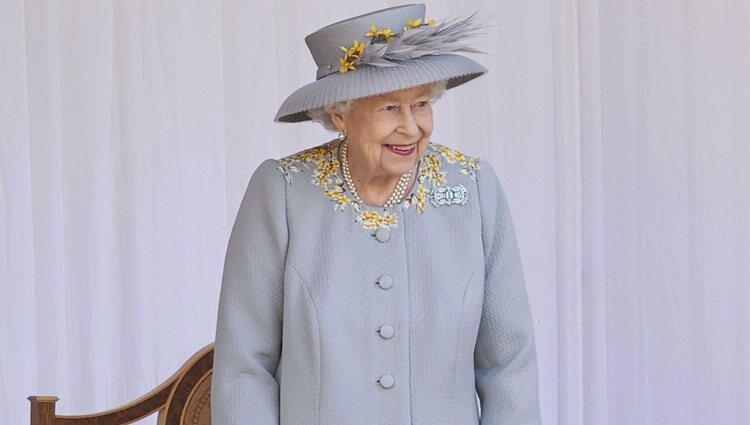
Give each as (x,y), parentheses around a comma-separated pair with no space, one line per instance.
(382,234)
(385,282)
(386,381)
(386,331)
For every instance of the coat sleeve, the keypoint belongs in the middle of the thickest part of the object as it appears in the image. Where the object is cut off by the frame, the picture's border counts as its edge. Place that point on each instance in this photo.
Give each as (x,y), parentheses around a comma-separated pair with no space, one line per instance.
(244,388)
(505,360)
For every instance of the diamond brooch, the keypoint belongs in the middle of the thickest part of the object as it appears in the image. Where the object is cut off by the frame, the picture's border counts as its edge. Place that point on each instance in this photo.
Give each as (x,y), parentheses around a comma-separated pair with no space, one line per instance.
(447,195)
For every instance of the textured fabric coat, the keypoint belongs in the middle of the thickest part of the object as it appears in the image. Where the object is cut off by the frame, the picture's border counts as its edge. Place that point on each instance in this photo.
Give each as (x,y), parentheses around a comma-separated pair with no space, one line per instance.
(338,313)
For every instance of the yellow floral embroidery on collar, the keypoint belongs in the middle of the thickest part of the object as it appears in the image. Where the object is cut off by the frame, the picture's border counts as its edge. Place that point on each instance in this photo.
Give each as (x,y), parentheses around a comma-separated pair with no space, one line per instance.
(326,176)
(430,171)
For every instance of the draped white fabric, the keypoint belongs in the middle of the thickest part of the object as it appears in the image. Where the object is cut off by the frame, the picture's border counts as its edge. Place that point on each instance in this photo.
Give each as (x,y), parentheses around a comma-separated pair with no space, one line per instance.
(620,130)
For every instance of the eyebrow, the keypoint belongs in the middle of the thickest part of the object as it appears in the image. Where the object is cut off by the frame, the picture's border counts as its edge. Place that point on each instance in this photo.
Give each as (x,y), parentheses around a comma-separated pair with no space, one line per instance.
(390,98)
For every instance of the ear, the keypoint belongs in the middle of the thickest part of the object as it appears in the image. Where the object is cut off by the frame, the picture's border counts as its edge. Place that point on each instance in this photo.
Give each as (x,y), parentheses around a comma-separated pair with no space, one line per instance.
(338,120)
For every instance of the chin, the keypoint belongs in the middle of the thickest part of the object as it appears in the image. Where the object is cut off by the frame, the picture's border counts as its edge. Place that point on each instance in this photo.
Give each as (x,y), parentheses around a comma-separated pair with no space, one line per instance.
(396,169)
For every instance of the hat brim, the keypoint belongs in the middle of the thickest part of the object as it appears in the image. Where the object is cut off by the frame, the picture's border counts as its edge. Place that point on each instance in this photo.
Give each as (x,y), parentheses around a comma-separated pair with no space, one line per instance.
(370,80)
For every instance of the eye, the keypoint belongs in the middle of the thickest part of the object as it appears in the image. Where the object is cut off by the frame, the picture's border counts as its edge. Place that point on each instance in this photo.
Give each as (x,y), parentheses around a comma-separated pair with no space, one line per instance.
(390,108)
(422,104)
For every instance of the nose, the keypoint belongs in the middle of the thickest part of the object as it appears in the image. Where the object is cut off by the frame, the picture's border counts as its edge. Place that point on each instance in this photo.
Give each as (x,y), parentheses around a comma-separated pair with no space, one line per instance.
(408,123)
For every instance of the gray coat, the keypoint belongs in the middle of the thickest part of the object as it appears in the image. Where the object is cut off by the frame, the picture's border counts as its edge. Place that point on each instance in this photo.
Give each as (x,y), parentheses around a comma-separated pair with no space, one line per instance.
(336,313)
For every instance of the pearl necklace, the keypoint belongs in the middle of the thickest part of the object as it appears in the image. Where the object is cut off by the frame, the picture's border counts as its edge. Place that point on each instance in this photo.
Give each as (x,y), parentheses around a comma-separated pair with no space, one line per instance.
(398,192)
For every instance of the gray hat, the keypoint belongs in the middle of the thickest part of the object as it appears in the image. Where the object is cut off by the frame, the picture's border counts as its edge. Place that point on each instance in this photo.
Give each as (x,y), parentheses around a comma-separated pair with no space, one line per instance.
(382,61)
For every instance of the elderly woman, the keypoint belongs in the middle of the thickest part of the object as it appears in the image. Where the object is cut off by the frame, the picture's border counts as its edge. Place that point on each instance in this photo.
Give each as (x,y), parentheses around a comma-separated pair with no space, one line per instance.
(375,278)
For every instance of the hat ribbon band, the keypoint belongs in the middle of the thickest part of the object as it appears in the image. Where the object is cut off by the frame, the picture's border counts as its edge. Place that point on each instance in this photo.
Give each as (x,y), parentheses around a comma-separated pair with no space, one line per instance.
(325,70)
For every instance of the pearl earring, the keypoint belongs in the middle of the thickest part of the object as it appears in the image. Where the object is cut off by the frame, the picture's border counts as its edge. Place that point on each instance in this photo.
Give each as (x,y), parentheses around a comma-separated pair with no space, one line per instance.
(342,136)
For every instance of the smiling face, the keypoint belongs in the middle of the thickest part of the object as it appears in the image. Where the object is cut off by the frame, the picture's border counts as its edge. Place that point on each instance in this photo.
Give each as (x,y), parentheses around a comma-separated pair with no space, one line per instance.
(388,133)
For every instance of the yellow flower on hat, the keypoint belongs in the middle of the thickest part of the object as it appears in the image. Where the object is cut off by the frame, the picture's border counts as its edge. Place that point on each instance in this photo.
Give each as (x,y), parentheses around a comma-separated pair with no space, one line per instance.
(355,51)
(346,66)
(418,23)
(415,23)
(351,56)
(388,34)
(384,32)
(374,31)
(359,48)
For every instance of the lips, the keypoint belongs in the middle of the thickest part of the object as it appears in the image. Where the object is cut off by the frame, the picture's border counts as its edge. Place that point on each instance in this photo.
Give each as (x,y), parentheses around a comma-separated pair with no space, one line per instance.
(403,150)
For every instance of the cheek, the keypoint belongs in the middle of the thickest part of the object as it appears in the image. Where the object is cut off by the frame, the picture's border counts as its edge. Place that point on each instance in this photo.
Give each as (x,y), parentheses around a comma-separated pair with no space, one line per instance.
(382,129)
(422,149)
(425,121)
(370,132)
(374,126)
(426,126)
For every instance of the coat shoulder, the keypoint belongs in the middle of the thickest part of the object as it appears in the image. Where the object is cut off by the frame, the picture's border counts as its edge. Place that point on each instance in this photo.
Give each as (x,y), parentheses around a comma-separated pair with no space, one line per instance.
(452,160)
(319,161)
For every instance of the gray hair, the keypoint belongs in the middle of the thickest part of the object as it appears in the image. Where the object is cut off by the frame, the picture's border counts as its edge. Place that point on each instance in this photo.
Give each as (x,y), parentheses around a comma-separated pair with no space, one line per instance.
(323,114)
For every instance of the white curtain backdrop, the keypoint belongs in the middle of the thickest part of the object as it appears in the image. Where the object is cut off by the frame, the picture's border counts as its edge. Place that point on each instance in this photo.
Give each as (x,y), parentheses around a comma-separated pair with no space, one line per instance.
(620,130)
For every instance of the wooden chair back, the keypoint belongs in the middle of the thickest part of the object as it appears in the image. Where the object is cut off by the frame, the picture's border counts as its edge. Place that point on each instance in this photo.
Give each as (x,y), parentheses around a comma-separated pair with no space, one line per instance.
(183,399)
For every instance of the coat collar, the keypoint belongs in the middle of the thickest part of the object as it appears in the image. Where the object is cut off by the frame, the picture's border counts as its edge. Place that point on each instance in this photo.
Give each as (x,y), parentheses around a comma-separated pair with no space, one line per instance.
(432,181)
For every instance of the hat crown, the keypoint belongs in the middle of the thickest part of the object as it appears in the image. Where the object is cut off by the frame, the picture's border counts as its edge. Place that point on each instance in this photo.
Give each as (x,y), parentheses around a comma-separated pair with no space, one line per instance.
(325,44)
